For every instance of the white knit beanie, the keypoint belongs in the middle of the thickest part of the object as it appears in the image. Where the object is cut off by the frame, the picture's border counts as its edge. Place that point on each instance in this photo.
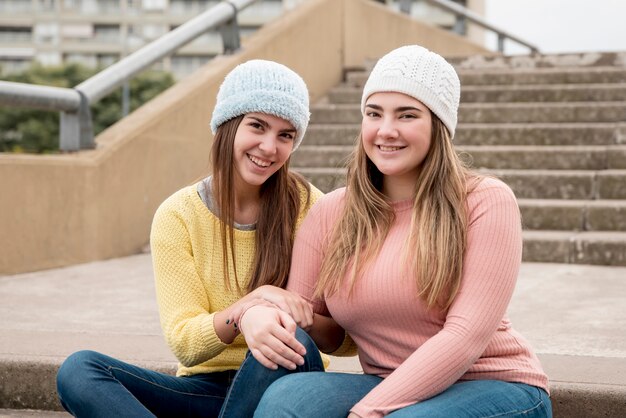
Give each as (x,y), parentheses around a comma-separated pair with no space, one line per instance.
(421,74)
(264,87)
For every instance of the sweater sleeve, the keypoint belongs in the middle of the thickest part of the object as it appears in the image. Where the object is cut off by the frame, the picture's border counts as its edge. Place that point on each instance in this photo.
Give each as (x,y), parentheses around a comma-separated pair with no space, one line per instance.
(491,266)
(184,309)
(307,260)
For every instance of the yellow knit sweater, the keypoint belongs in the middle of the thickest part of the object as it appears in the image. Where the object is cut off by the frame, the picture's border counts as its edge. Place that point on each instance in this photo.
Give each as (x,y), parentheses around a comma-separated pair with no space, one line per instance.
(188,269)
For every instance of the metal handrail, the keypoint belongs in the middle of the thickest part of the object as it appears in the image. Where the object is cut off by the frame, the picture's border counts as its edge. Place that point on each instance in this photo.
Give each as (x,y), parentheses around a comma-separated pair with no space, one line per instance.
(73,103)
(463,13)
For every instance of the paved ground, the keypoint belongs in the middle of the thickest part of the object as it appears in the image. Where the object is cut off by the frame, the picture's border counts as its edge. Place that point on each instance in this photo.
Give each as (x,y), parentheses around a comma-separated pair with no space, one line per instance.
(569,313)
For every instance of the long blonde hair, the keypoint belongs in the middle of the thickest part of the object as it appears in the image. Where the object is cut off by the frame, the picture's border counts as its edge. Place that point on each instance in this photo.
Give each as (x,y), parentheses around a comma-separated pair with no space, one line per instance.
(438,235)
(280,206)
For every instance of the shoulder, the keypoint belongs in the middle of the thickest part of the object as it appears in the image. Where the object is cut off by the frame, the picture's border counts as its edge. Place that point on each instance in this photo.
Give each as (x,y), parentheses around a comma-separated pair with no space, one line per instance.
(486,188)
(491,195)
(330,206)
(310,196)
(179,204)
(179,198)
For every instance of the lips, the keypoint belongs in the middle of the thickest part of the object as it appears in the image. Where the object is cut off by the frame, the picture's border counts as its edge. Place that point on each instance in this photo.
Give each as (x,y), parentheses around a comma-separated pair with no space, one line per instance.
(258,161)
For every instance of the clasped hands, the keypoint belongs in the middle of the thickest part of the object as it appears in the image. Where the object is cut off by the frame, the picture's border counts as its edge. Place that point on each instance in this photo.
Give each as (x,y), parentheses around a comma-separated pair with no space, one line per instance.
(268,321)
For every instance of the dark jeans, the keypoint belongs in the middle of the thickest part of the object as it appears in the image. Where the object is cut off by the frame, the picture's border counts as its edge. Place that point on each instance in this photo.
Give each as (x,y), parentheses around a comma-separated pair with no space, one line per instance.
(332,395)
(91,384)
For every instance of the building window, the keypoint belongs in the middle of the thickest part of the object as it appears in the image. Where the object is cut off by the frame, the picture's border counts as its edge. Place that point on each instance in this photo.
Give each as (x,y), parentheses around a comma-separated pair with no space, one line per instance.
(15,34)
(9,65)
(13,6)
(46,32)
(106,33)
(46,5)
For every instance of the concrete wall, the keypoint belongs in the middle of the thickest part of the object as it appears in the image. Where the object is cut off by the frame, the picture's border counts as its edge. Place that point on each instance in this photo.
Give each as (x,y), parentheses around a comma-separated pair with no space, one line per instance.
(66,209)
(371,30)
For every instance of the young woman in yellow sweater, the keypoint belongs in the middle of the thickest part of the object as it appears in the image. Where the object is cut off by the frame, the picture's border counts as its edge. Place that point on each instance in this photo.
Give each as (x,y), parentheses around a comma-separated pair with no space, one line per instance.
(219,247)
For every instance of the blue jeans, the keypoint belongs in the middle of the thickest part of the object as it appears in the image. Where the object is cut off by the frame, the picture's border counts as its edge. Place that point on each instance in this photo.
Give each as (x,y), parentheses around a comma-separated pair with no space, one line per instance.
(332,395)
(91,384)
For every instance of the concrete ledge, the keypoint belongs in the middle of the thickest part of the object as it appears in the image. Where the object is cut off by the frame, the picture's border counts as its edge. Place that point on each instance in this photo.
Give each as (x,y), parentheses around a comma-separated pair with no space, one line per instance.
(574,316)
(571,400)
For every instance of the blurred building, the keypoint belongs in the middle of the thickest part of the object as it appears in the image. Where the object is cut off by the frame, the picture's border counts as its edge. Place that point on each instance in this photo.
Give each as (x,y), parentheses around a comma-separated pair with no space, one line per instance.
(99,32)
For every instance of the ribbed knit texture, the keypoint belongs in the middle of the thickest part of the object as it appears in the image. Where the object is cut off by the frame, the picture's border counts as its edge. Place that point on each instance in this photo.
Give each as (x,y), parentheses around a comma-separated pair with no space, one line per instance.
(188,269)
(421,352)
(421,74)
(265,87)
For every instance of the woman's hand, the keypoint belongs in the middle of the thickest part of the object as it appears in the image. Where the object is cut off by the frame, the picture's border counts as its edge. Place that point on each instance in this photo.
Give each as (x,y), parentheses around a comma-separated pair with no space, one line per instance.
(270,336)
(291,303)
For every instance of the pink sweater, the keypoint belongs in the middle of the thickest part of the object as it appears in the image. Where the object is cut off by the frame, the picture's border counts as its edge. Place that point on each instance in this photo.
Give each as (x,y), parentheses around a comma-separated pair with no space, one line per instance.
(420,352)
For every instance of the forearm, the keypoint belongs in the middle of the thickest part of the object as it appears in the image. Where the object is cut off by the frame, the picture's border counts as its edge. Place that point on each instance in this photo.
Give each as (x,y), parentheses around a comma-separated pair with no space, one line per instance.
(225,321)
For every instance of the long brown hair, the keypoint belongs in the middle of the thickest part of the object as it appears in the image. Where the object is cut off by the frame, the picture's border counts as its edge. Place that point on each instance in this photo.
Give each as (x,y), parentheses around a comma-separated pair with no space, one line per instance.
(280,206)
(438,234)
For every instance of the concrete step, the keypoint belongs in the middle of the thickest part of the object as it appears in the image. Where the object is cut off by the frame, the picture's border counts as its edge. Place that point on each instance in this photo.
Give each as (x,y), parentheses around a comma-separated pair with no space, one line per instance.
(110,306)
(576,112)
(494,157)
(537,157)
(28,413)
(325,179)
(548,76)
(527,184)
(573,215)
(539,134)
(561,60)
(516,93)
(606,248)
(565,184)
(492,134)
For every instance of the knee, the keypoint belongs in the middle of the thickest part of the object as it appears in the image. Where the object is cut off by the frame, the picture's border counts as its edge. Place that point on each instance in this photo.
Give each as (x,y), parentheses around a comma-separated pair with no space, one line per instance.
(306,341)
(278,400)
(74,372)
(313,359)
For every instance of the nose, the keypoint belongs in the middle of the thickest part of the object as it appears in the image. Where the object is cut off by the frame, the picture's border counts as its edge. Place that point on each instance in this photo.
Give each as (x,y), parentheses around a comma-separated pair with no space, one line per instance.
(387,128)
(268,145)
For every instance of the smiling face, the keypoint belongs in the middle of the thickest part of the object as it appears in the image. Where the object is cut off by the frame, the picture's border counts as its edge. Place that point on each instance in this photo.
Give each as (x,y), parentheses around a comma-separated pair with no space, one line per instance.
(396,136)
(262,145)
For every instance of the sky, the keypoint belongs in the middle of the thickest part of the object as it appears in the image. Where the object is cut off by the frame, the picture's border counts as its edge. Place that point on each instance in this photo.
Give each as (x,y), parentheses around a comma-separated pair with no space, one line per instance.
(556,26)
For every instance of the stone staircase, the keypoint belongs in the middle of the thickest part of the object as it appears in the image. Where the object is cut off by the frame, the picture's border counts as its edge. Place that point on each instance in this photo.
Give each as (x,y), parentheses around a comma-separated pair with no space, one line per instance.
(552,127)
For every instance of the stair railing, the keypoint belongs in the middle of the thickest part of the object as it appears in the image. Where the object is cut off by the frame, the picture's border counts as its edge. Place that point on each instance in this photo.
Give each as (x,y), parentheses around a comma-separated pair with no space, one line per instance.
(462,14)
(76,131)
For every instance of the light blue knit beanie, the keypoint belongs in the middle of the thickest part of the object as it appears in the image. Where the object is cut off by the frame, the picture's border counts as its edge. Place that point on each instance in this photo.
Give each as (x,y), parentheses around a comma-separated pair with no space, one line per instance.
(264,87)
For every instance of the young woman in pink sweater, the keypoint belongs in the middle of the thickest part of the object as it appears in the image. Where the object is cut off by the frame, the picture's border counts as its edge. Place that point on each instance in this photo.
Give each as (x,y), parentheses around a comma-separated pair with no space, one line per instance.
(416,260)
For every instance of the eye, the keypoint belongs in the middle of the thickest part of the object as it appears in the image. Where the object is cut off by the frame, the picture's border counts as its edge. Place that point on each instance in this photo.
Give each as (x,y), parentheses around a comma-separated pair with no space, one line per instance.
(408,116)
(287,135)
(372,114)
(255,125)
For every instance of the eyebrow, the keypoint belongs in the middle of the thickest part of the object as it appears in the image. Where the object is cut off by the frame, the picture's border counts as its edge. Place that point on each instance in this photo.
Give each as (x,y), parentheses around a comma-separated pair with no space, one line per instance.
(398,109)
(267,125)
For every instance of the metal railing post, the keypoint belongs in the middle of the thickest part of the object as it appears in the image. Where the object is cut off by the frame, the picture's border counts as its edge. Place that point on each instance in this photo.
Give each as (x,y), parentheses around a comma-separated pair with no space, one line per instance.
(405,6)
(460,25)
(501,43)
(76,130)
(231,38)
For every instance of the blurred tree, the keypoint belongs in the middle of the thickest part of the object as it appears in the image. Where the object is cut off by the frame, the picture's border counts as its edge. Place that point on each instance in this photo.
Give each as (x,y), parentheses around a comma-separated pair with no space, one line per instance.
(37,131)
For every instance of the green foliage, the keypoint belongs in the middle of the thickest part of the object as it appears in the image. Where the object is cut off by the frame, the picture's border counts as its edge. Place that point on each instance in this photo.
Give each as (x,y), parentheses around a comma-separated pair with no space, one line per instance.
(37,131)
